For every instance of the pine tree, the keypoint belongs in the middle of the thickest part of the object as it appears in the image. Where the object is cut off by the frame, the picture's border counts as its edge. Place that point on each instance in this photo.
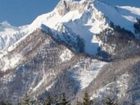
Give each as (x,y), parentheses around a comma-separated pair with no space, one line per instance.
(25,101)
(78,103)
(109,101)
(86,99)
(48,100)
(64,100)
(137,26)
(5,103)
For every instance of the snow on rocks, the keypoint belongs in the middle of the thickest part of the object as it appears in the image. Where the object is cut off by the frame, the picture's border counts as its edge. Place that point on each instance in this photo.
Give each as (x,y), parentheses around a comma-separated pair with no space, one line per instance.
(66,55)
(86,70)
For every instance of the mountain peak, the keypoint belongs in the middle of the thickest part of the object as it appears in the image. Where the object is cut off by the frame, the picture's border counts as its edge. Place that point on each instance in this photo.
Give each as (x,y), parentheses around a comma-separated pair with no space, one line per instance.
(49,56)
(86,18)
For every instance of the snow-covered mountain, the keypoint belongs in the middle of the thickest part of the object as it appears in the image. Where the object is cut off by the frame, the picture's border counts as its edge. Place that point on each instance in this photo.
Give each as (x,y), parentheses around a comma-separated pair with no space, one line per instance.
(50,54)
(91,17)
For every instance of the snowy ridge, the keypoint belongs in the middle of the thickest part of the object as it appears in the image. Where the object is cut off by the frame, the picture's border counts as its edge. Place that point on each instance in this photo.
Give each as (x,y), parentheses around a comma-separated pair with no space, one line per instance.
(85,18)
(91,17)
(73,18)
(75,23)
(10,34)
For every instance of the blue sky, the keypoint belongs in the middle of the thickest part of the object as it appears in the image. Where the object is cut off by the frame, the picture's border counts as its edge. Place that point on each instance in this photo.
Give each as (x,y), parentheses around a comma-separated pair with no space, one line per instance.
(20,12)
